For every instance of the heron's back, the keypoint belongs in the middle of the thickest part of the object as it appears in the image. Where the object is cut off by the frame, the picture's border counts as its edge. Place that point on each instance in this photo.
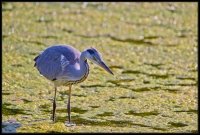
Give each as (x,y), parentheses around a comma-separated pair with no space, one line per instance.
(56,59)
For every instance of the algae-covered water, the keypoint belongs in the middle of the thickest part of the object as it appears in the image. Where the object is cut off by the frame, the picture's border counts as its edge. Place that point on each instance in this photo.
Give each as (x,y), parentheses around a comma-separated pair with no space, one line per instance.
(150,47)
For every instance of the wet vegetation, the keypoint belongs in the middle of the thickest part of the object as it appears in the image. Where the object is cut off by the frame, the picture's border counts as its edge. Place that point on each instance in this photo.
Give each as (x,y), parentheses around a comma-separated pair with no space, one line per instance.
(152,54)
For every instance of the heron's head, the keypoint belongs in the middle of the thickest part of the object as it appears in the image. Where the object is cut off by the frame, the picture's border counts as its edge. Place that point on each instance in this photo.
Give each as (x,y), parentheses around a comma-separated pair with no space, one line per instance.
(94,56)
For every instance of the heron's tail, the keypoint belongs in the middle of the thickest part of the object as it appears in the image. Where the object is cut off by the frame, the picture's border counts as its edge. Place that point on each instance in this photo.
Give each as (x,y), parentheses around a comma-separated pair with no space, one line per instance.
(36,59)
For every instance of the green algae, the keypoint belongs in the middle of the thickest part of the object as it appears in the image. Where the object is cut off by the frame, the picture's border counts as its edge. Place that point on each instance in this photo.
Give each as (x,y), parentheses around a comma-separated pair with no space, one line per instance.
(106,114)
(152,54)
(142,114)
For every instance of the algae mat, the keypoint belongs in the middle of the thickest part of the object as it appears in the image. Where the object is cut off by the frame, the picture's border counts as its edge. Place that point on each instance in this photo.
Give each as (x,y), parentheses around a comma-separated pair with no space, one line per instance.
(150,47)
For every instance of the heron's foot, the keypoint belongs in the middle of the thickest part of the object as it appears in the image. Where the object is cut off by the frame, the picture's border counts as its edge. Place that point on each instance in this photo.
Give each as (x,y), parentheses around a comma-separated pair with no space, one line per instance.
(53,119)
(69,124)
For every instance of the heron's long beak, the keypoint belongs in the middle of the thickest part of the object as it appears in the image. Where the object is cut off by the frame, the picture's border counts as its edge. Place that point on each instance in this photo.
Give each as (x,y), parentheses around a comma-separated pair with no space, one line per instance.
(103,65)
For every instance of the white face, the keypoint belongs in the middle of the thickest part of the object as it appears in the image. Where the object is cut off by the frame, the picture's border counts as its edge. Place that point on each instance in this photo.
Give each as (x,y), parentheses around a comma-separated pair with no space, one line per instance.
(95,57)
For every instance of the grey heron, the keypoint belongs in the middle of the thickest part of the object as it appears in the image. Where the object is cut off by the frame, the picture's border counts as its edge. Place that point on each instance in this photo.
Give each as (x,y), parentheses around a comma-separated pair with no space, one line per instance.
(64,66)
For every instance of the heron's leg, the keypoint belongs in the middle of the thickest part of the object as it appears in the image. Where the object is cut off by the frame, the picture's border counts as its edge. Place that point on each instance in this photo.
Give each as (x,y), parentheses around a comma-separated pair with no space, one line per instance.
(68,123)
(54,106)
(68,105)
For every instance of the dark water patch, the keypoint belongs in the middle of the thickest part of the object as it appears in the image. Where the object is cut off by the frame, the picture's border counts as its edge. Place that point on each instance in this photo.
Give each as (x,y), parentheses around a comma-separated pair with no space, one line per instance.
(126,80)
(181,35)
(133,41)
(111,123)
(126,97)
(129,40)
(93,36)
(143,114)
(61,98)
(46,108)
(177,106)
(16,65)
(95,106)
(171,45)
(192,70)
(79,95)
(34,42)
(159,76)
(106,114)
(113,82)
(142,89)
(67,30)
(160,25)
(185,78)
(191,84)
(73,109)
(118,67)
(116,82)
(88,36)
(49,36)
(5,36)
(163,76)
(37,42)
(26,100)
(180,84)
(166,116)
(132,72)
(188,111)
(40,119)
(14,111)
(179,124)
(119,123)
(7,104)
(158,128)
(33,53)
(78,110)
(172,90)
(121,97)
(63,92)
(6,93)
(111,99)
(140,125)
(152,37)
(146,81)
(61,110)
(134,23)
(90,86)
(154,65)
(193,131)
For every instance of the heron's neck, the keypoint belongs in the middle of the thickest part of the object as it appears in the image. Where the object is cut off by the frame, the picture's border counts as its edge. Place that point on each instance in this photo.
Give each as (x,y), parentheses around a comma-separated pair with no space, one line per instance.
(83,63)
(83,57)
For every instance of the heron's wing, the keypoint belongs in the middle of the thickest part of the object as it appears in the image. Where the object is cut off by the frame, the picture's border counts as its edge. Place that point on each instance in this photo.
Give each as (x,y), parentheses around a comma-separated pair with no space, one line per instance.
(52,62)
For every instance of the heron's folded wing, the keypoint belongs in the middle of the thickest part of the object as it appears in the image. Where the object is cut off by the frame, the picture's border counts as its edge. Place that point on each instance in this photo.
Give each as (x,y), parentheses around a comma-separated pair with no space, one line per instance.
(51,63)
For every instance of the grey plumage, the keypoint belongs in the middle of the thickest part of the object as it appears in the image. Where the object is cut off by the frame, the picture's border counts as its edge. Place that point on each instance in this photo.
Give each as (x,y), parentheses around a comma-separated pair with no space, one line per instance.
(65,65)
(50,63)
